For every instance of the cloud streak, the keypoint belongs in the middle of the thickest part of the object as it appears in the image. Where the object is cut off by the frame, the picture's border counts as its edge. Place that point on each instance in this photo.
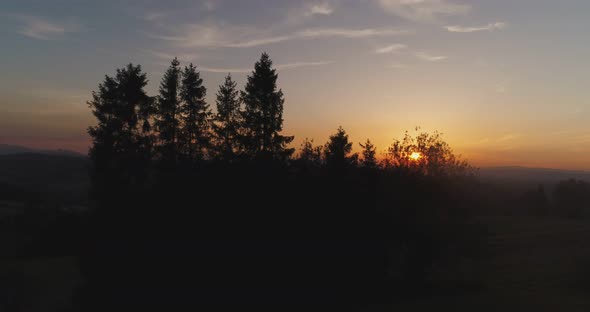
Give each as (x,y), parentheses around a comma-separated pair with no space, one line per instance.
(319,9)
(423,10)
(42,29)
(391,48)
(488,27)
(228,36)
(430,58)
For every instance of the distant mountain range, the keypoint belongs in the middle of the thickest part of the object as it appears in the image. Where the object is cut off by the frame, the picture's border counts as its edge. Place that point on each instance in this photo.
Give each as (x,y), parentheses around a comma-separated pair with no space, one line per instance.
(6,149)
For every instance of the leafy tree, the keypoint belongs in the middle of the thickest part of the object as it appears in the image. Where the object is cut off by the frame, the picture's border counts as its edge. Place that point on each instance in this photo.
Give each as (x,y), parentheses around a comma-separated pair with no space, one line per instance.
(427,154)
(337,150)
(167,113)
(369,159)
(227,120)
(195,114)
(263,114)
(120,146)
(309,154)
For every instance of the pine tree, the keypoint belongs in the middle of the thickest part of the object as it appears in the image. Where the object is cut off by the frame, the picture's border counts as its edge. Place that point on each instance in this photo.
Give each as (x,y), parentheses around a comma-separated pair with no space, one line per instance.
(226,124)
(309,154)
(167,113)
(120,150)
(338,149)
(195,111)
(263,114)
(369,151)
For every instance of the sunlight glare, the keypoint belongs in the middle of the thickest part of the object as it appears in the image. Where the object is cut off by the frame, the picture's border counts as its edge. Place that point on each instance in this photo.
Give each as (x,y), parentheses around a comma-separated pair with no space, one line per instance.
(415,156)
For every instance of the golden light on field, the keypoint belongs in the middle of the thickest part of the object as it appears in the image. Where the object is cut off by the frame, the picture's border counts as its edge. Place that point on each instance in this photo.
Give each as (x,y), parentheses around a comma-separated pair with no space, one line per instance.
(415,156)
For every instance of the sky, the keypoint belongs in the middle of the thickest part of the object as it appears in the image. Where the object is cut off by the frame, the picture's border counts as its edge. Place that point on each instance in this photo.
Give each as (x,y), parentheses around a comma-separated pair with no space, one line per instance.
(505,81)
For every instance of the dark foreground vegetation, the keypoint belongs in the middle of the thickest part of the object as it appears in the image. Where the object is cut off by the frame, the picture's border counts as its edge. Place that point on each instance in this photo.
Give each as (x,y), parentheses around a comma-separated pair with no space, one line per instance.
(193,208)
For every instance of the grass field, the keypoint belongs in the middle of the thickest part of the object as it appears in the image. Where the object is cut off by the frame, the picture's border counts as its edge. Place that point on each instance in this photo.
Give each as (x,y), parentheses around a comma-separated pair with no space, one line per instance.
(531,264)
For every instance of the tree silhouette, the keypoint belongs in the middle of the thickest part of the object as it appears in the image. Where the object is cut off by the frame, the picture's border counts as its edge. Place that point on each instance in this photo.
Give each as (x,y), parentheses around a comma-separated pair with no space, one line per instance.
(435,156)
(195,139)
(338,149)
(120,149)
(369,159)
(226,125)
(263,114)
(167,113)
(350,235)
(309,154)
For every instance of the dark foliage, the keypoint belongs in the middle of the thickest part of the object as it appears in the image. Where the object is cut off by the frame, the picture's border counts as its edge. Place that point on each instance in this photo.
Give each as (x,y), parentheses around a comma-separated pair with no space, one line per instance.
(263,114)
(337,151)
(167,114)
(572,198)
(195,138)
(369,151)
(121,148)
(239,221)
(227,121)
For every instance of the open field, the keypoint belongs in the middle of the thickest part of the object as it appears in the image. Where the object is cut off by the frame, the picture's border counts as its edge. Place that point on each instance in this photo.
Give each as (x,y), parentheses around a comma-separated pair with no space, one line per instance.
(532,264)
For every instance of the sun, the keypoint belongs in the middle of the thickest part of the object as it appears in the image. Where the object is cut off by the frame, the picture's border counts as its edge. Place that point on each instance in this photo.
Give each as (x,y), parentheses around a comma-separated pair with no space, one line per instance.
(415,156)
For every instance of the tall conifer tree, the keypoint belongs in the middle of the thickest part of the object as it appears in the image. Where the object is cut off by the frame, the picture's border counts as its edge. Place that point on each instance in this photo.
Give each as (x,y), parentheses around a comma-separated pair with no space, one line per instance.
(167,113)
(123,113)
(226,126)
(369,151)
(196,138)
(263,114)
(337,150)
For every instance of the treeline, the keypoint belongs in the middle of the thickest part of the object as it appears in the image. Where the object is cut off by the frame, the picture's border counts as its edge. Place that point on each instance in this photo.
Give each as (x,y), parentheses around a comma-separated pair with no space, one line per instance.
(178,127)
(568,198)
(199,206)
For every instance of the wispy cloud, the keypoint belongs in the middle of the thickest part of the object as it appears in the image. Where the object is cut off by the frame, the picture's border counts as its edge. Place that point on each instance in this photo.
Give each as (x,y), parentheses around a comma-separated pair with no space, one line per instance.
(324,8)
(317,33)
(423,10)
(302,64)
(430,58)
(301,14)
(279,67)
(228,36)
(391,48)
(500,143)
(488,27)
(154,16)
(39,28)
(209,5)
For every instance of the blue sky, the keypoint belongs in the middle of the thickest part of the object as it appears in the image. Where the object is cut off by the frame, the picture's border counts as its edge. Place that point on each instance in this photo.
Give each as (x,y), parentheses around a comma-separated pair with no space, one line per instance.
(506,81)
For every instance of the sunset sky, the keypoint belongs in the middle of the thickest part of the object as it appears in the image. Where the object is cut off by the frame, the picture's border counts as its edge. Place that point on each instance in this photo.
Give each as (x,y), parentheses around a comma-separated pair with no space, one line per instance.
(506,81)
